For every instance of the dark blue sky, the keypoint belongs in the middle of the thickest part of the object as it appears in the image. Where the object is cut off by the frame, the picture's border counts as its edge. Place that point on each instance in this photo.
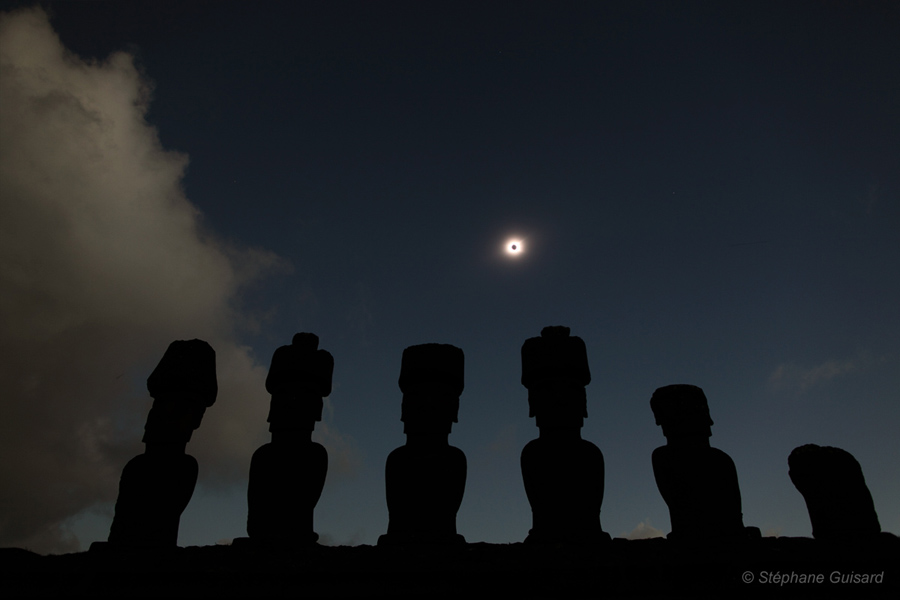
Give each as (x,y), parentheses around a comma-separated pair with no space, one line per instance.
(707,192)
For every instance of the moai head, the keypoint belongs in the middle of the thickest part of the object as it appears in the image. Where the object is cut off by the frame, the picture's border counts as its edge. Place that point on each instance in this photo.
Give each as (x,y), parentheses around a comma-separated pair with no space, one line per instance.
(555,371)
(431,379)
(832,483)
(682,411)
(299,377)
(183,385)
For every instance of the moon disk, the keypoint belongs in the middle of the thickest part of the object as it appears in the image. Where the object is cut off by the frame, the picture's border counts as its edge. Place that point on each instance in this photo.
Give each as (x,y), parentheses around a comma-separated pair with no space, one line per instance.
(514,247)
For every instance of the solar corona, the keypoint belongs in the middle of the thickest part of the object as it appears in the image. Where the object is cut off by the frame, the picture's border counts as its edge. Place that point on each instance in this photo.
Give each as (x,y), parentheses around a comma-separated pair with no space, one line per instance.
(514,247)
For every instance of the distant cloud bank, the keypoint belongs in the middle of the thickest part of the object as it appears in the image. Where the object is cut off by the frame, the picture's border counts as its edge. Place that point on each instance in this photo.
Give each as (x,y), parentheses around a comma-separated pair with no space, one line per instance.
(103,262)
(789,376)
(644,530)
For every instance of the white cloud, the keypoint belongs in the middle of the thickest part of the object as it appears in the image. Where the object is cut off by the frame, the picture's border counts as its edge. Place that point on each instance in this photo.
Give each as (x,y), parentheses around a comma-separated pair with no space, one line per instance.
(103,262)
(643,531)
(787,376)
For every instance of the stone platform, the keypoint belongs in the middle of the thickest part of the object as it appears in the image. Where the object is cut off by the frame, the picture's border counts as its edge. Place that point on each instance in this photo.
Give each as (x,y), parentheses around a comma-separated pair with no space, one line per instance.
(654,568)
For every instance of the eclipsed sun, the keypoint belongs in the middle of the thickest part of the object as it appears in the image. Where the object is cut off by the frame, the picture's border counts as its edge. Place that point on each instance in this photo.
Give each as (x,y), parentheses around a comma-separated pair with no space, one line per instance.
(514,247)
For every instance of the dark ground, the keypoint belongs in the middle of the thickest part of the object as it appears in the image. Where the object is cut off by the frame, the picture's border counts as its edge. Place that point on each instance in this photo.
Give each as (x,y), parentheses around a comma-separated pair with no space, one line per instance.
(653,568)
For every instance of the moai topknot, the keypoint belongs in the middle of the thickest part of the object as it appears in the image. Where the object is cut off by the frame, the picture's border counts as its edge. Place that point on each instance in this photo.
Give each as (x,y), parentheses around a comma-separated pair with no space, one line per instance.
(563,473)
(156,486)
(287,475)
(425,480)
(699,483)
(837,498)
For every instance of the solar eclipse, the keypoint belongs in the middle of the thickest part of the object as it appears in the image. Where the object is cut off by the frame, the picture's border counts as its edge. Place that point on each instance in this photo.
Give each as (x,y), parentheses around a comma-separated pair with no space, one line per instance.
(514,247)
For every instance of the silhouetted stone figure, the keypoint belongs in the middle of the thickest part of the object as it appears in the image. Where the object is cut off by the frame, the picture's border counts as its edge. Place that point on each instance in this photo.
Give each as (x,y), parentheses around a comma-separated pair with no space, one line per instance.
(425,480)
(156,486)
(699,483)
(563,473)
(837,498)
(287,475)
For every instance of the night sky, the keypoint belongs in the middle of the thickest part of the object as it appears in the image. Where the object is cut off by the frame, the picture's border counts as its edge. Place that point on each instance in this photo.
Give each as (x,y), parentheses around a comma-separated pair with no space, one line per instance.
(706,193)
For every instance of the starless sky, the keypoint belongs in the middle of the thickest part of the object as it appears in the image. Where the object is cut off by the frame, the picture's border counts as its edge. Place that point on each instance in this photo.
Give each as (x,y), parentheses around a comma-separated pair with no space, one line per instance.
(706,193)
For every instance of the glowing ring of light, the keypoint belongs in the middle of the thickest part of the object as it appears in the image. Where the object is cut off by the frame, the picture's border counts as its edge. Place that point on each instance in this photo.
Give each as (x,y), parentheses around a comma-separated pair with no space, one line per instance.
(514,247)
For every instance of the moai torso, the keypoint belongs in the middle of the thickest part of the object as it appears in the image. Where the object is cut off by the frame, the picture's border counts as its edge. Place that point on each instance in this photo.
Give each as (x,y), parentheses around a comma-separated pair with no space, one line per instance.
(699,483)
(156,486)
(288,474)
(425,480)
(563,473)
(837,498)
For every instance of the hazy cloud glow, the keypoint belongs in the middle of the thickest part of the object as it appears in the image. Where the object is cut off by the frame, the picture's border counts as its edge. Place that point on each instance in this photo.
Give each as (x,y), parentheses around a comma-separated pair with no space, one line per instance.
(644,530)
(103,261)
(790,376)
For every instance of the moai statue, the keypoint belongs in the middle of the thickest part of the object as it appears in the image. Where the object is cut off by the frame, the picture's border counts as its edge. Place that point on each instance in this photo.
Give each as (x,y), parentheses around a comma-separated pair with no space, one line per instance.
(563,473)
(837,498)
(699,483)
(156,486)
(425,479)
(287,475)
